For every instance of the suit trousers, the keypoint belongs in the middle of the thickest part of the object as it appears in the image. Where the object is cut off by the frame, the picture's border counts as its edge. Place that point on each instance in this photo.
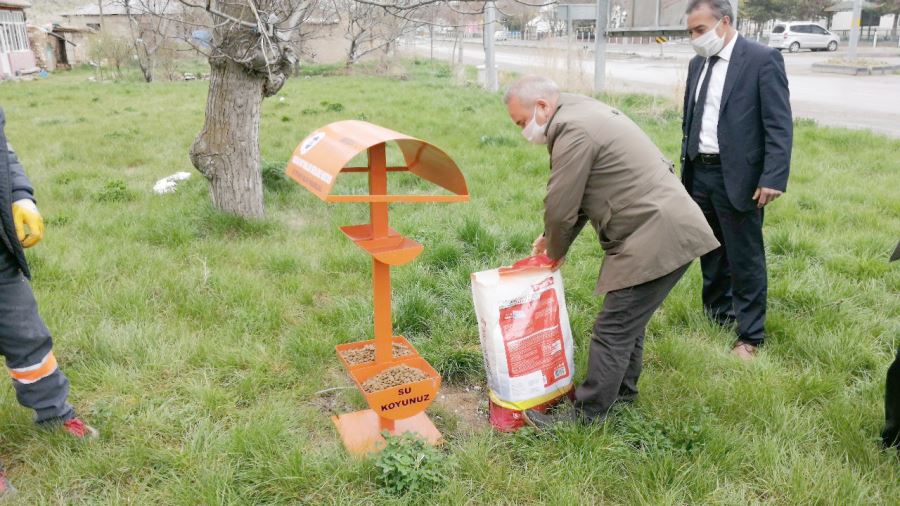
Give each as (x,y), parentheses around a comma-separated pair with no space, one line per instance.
(617,344)
(26,345)
(891,433)
(734,274)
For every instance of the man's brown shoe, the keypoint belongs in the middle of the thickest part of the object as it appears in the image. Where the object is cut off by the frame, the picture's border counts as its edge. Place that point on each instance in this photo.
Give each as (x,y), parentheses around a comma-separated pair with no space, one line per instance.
(745,351)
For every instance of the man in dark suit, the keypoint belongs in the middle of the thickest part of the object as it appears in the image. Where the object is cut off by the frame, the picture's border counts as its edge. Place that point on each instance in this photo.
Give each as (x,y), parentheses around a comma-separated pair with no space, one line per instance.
(891,433)
(736,154)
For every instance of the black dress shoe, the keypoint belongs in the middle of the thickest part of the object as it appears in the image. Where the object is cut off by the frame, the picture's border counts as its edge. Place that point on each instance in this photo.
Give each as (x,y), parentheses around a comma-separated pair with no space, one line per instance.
(545,421)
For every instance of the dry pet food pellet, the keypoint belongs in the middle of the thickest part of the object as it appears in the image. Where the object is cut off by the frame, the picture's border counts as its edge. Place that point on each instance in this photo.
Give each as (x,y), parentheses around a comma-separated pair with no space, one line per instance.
(397,375)
(366,354)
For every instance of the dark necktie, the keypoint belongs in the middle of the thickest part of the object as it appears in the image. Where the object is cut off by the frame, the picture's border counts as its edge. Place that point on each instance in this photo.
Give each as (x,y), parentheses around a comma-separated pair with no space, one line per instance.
(697,117)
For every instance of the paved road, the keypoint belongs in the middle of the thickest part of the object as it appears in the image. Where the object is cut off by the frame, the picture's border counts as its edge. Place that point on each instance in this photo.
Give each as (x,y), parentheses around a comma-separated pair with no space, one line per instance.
(870,102)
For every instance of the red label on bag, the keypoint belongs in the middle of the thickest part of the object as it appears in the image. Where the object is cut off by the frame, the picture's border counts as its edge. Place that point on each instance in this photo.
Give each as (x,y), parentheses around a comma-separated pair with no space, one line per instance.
(532,335)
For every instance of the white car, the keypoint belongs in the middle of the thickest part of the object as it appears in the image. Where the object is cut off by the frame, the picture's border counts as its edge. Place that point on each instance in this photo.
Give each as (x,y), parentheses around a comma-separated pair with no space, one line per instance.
(797,35)
(501,35)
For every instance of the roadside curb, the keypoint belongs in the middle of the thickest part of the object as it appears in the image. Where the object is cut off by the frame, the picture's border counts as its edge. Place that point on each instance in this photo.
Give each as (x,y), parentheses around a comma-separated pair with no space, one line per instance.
(855,70)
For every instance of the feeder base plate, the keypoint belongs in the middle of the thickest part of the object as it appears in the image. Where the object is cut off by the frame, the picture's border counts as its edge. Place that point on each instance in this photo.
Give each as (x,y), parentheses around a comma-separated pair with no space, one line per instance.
(361,431)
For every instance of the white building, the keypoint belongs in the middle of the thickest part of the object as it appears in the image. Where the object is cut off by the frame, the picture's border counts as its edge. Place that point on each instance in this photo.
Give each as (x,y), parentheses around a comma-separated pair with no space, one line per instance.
(842,20)
(15,52)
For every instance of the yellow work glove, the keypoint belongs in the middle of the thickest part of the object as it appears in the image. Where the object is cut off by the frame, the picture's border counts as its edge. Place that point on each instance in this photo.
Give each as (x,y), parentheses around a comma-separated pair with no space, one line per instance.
(25,213)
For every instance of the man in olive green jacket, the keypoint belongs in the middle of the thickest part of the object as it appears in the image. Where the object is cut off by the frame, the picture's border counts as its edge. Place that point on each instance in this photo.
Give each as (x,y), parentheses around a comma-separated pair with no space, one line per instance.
(604,169)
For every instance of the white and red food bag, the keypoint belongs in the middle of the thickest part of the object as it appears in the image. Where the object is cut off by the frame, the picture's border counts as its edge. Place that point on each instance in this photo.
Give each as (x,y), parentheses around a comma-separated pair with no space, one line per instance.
(525,334)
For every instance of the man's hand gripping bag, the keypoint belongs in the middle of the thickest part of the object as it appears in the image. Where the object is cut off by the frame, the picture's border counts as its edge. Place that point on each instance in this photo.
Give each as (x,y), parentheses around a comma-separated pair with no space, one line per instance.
(525,337)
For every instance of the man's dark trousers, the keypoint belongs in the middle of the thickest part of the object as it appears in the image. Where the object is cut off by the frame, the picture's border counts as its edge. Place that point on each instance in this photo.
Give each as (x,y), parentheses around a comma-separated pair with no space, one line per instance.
(891,433)
(26,344)
(734,275)
(617,344)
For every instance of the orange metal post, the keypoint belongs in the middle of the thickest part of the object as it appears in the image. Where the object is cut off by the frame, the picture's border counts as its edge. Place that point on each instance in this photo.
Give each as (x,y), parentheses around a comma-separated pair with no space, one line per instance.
(381,272)
(316,164)
(378,186)
(381,287)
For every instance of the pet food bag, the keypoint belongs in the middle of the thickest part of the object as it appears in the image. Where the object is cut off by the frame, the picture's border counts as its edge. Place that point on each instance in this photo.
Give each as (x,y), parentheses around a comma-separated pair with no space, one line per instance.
(525,334)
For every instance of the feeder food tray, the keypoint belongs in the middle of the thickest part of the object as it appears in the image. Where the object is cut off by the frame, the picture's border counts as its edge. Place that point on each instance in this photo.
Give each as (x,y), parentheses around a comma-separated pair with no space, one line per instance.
(394,249)
(404,400)
(362,344)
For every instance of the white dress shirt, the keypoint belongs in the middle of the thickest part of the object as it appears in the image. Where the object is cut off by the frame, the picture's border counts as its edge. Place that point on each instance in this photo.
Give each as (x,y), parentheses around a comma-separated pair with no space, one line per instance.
(709,133)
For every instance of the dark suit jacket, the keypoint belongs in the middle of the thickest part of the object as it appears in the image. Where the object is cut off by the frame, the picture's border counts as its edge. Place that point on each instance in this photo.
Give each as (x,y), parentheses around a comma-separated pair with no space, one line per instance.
(755,125)
(14,185)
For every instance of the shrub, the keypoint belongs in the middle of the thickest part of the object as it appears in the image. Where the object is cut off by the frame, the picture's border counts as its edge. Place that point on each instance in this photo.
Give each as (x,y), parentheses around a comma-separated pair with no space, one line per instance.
(655,435)
(408,464)
(114,191)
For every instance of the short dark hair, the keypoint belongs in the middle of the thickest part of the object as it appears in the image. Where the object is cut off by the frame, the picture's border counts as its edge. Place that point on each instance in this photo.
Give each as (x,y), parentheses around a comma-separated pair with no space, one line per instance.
(720,8)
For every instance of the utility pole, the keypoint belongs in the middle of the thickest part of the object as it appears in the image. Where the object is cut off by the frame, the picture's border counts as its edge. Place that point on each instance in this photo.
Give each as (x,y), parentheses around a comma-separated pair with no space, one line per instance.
(854,29)
(431,35)
(459,41)
(490,70)
(600,45)
(461,22)
(569,43)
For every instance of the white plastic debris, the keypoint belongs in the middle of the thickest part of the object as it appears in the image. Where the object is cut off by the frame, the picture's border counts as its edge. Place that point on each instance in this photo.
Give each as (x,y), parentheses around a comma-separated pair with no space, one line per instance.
(169,183)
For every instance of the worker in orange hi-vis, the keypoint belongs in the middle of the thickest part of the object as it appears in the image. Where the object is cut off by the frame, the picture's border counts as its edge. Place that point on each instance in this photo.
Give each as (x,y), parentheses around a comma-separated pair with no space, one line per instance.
(25,342)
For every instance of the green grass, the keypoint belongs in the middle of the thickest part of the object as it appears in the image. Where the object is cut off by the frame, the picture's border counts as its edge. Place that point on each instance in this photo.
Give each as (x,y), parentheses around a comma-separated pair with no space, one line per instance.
(196,342)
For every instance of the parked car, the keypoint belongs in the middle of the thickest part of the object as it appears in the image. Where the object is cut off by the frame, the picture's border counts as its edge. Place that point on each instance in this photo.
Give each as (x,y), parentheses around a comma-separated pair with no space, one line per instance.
(501,35)
(798,35)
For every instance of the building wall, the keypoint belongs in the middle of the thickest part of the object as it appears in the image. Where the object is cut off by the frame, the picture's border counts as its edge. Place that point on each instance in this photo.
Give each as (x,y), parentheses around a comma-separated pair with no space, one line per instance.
(325,44)
(21,60)
(643,13)
(15,51)
(78,54)
(46,46)
(113,25)
(842,21)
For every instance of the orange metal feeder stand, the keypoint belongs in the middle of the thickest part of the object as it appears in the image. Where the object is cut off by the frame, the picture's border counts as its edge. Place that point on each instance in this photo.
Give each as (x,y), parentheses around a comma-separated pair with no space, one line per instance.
(315,164)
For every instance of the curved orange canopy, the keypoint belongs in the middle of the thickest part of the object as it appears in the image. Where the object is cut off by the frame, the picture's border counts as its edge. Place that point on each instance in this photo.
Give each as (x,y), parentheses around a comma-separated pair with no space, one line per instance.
(324,154)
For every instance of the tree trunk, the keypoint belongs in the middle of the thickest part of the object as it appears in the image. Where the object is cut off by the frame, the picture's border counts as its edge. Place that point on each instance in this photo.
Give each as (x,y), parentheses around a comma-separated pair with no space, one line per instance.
(146,69)
(351,54)
(144,61)
(226,151)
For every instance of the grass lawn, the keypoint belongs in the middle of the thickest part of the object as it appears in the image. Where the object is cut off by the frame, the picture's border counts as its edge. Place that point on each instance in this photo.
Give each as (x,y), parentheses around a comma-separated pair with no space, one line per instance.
(197,342)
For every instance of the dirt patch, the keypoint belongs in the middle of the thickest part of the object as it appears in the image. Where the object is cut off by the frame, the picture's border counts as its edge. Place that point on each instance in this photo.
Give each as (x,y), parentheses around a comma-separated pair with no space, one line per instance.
(468,405)
(366,354)
(397,375)
(335,400)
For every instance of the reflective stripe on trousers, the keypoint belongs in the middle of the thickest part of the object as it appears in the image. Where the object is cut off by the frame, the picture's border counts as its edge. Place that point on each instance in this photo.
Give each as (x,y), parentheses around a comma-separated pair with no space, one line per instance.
(37,372)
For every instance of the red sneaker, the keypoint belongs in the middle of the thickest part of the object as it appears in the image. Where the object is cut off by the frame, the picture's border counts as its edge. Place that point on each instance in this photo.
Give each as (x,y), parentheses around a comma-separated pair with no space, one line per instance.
(6,488)
(77,428)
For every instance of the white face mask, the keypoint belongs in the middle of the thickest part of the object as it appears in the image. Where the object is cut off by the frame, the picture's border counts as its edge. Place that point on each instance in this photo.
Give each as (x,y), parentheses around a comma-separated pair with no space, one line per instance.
(533,132)
(710,43)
